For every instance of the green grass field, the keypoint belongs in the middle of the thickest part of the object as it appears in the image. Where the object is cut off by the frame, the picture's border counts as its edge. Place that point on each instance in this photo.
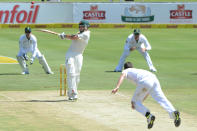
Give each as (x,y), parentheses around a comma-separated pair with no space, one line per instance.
(173,54)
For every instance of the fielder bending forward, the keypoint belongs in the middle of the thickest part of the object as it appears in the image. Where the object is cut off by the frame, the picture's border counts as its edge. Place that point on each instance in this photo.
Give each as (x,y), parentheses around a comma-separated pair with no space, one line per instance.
(136,41)
(28,43)
(74,57)
(147,83)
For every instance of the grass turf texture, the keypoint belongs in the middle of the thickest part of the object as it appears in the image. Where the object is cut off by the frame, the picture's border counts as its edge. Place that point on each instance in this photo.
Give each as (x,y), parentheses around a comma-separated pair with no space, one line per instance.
(173,53)
(102,0)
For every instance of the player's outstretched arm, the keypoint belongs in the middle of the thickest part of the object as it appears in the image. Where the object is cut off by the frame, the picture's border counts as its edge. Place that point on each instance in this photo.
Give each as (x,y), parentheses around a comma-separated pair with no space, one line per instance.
(118,84)
(145,97)
(70,37)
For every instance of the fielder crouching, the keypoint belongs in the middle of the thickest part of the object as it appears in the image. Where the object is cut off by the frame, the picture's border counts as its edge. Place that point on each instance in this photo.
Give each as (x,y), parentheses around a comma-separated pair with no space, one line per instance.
(74,57)
(28,43)
(147,84)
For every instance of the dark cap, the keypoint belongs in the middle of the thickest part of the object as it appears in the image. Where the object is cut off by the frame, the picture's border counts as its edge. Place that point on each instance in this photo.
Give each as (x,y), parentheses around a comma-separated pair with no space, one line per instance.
(27,30)
(128,65)
(84,23)
(136,31)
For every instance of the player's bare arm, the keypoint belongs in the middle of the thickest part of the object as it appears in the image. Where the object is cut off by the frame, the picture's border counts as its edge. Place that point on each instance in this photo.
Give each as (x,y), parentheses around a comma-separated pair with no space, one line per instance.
(119,83)
(145,97)
(72,37)
(143,49)
(132,104)
(132,48)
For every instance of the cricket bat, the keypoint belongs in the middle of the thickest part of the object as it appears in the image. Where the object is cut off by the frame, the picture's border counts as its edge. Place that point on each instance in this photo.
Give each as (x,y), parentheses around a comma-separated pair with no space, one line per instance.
(48,31)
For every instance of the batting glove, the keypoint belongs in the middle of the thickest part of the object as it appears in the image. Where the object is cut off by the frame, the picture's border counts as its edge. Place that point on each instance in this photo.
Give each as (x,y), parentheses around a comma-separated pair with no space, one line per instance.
(25,57)
(62,35)
(31,61)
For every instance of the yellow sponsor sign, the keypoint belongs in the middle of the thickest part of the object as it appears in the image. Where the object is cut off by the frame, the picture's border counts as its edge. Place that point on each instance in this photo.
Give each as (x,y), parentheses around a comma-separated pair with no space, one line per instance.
(7,60)
(99,25)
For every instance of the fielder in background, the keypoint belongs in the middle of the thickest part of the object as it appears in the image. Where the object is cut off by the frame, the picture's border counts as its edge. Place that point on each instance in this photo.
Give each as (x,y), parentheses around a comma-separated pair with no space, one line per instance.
(28,43)
(74,57)
(147,83)
(136,41)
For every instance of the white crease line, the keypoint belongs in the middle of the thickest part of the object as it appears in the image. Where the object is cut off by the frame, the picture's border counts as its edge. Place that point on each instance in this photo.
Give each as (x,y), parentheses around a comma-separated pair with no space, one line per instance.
(122,95)
(11,99)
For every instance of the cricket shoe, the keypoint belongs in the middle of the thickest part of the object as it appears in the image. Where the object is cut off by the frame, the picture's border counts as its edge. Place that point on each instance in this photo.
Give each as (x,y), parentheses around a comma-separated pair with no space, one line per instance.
(49,72)
(25,73)
(153,69)
(72,99)
(117,71)
(177,120)
(150,121)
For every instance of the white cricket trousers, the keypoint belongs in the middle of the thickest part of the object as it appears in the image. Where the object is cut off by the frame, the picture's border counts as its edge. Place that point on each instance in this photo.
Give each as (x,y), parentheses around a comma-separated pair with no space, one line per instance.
(21,60)
(153,88)
(40,57)
(127,52)
(73,69)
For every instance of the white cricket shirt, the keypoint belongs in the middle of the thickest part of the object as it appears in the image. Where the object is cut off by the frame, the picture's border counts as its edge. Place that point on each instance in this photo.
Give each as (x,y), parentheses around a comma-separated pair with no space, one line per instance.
(26,45)
(138,75)
(78,46)
(142,42)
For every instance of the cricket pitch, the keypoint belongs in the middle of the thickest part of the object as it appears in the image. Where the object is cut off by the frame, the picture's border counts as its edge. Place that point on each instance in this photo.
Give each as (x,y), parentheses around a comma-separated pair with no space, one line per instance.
(94,111)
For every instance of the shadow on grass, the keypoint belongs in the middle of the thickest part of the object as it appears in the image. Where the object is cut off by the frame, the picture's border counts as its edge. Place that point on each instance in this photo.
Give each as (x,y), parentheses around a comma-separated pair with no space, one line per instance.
(111,72)
(44,101)
(10,74)
(193,73)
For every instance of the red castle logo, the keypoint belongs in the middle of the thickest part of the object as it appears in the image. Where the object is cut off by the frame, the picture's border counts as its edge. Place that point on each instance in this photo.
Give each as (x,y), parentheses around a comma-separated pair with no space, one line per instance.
(181,13)
(94,14)
(20,16)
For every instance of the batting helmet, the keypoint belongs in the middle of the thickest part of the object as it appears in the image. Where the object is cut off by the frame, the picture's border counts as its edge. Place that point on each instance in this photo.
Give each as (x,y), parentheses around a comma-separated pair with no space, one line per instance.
(27,30)
(136,31)
(84,23)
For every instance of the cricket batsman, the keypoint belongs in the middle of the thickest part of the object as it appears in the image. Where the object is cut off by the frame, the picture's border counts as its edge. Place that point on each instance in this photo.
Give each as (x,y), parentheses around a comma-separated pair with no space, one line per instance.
(28,43)
(136,41)
(74,57)
(147,84)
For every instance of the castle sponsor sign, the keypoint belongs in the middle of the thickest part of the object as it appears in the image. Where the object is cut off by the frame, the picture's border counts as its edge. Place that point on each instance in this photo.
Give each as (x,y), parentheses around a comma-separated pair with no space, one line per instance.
(94,13)
(181,13)
(184,13)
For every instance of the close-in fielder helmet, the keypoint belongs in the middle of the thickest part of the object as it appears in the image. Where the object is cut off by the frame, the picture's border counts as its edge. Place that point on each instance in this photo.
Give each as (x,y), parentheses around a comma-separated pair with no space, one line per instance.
(27,30)
(84,23)
(136,31)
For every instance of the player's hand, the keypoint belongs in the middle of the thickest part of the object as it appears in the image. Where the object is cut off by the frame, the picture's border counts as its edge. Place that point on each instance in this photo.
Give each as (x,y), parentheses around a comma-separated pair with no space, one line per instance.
(143,50)
(25,57)
(132,48)
(133,105)
(114,90)
(62,35)
(31,61)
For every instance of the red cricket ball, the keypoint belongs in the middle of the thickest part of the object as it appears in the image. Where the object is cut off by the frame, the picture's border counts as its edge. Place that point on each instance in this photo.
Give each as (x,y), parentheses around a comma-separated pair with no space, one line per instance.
(32,2)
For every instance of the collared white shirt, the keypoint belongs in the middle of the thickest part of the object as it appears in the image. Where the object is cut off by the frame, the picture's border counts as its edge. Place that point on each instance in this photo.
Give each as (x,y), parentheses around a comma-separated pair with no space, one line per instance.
(141,43)
(26,45)
(78,46)
(138,75)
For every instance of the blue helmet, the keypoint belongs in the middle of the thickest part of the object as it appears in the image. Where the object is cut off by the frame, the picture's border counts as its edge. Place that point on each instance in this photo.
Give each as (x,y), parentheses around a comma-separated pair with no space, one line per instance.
(27,30)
